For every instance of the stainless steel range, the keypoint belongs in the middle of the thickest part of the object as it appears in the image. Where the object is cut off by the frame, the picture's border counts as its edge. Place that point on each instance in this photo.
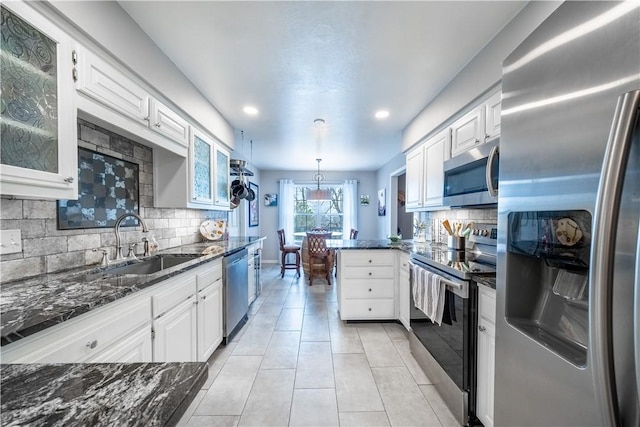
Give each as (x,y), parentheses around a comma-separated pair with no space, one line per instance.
(447,352)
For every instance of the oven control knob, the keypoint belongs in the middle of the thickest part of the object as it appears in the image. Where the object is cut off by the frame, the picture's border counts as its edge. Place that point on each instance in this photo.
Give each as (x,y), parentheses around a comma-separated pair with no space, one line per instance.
(485,233)
(476,231)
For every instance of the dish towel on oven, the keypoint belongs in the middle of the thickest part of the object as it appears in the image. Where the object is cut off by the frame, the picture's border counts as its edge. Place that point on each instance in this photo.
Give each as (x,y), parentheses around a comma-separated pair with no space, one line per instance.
(428,293)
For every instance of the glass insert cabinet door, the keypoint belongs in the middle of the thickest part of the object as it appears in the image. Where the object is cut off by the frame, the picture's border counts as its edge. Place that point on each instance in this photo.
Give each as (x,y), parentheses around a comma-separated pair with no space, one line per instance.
(38,149)
(222,177)
(201,152)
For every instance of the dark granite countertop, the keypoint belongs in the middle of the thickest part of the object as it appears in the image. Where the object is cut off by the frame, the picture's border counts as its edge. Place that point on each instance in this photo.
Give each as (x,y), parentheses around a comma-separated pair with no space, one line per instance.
(30,305)
(104,394)
(403,245)
(487,281)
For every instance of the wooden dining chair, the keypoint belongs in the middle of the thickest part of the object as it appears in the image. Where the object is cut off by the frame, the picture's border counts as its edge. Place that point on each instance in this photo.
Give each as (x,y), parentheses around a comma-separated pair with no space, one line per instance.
(320,257)
(286,250)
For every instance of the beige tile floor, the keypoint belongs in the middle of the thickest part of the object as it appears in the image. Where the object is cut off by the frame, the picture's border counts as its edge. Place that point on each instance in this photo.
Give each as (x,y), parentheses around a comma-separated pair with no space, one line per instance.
(296,363)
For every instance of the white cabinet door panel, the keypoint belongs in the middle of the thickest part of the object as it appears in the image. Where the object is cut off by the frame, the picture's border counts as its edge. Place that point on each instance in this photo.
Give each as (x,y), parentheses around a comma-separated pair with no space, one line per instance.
(167,122)
(175,334)
(436,153)
(467,131)
(104,83)
(209,321)
(414,187)
(493,116)
(137,348)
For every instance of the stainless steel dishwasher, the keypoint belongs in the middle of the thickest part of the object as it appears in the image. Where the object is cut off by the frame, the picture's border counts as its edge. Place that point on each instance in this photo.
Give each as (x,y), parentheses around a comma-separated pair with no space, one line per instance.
(236,293)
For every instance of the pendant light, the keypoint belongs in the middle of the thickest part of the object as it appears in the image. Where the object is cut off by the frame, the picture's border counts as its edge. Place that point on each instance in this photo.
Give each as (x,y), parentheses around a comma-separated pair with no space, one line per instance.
(318,193)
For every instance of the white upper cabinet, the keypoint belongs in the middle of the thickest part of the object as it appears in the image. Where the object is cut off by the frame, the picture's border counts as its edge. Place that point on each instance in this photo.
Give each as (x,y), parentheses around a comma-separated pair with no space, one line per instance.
(467,131)
(39,130)
(104,83)
(436,152)
(168,123)
(222,198)
(425,172)
(414,197)
(129,105)
(493,109)
(201,153)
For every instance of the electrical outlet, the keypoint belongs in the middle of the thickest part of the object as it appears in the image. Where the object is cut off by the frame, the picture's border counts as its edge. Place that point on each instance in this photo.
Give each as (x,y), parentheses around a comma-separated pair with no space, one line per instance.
(10,241)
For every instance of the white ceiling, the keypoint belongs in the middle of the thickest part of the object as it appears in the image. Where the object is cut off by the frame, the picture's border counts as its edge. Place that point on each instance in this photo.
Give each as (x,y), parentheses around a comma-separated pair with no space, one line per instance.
(340,61)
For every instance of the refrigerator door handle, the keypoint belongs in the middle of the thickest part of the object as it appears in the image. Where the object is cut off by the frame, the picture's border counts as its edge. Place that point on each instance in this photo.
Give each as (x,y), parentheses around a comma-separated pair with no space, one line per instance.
(636,344)
(605,223)
(493,192)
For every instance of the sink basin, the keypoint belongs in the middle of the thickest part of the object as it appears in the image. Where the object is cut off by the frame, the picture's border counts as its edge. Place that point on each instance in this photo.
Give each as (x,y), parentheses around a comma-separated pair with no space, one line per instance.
(147,266)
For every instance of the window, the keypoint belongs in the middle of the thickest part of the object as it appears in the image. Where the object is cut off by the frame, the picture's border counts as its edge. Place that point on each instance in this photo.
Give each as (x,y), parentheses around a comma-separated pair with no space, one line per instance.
(310,214)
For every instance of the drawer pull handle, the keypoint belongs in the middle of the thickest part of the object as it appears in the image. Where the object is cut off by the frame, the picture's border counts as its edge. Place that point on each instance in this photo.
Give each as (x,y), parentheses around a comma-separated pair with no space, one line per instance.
(369,289)
(369,308)
(482,328)
(92,344)
(204,297)
(369,261)
(369,273)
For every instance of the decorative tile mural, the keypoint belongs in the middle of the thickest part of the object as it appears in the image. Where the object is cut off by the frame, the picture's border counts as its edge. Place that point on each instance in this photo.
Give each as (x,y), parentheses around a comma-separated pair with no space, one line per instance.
(107,188)
(29,96)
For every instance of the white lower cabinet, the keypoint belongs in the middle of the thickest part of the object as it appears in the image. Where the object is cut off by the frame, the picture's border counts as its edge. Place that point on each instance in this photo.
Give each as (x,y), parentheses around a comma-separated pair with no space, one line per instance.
(136,348)
(404,290)
(366,283)
(84,337)
(175,337)
(209,321)
(486,354)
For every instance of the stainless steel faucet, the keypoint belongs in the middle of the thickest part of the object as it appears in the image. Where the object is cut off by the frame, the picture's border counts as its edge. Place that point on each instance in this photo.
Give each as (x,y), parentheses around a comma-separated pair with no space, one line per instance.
(145,229)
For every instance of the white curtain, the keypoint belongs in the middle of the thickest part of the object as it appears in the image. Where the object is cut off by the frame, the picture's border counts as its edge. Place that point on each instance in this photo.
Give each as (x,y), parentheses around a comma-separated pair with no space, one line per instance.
(286,208)
(350,207)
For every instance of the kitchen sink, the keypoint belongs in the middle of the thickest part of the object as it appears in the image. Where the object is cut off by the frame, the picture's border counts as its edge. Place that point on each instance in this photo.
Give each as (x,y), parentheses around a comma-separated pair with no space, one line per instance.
(144,266)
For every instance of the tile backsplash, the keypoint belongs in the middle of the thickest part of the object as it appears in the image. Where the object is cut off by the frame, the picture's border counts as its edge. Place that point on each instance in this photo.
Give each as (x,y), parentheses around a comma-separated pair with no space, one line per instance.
(47,249)
(436,233)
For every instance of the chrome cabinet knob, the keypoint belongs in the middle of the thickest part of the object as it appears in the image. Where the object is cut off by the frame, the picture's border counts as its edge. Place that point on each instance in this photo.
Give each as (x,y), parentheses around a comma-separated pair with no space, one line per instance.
(482,328)
(92,344)
(69,180)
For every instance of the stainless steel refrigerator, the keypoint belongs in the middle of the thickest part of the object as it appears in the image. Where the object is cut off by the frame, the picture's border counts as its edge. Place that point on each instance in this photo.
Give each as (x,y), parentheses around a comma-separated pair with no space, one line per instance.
(568,279)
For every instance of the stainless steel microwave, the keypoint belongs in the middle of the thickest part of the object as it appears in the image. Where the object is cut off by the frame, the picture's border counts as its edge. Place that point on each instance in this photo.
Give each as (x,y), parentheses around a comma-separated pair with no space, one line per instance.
(471,178)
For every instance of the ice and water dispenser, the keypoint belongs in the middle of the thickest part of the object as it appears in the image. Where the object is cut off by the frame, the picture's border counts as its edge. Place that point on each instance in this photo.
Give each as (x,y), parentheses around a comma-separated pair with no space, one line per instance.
(547,285)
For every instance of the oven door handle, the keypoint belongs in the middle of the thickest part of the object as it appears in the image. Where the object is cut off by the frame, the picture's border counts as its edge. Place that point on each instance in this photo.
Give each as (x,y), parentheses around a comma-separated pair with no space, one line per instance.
(459,288)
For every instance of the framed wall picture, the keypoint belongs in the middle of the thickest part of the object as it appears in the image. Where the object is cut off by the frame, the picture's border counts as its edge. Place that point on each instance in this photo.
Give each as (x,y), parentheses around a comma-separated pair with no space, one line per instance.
(254,206)
(382,205)
(107,188)
(271,199)
(364,200)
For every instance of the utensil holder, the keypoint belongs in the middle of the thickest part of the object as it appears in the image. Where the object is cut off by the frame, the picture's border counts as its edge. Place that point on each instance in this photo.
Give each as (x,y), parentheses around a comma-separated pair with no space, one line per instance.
(456,242)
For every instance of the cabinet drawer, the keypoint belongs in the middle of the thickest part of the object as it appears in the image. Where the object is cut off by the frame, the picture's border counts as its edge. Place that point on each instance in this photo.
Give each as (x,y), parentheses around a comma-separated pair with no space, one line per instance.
(373,288)
(83,339)
(207,276)
(362,258)
(367,272)
(172,293)
(487,303)
(368,309)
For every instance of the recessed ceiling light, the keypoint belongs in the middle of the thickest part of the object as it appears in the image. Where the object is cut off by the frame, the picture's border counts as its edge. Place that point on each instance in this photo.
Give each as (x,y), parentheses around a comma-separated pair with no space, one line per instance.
(252,111)
(382,114)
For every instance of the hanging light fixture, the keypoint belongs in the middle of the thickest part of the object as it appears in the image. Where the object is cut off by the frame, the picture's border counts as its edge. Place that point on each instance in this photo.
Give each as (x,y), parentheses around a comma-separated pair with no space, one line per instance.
(318,193)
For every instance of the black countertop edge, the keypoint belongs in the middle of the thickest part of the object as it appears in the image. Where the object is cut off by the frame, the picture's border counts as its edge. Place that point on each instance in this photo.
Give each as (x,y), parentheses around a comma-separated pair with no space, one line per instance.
(99,394)
(487,281)
(36,303)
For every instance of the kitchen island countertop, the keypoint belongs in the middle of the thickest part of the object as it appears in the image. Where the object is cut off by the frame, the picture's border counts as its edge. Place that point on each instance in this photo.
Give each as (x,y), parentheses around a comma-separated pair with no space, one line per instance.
(98,394)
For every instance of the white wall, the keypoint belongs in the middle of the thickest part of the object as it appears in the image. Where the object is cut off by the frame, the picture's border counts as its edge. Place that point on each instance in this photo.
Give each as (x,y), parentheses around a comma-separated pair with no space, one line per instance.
(481,74)
(110,27)
(383,227)
(367,215)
